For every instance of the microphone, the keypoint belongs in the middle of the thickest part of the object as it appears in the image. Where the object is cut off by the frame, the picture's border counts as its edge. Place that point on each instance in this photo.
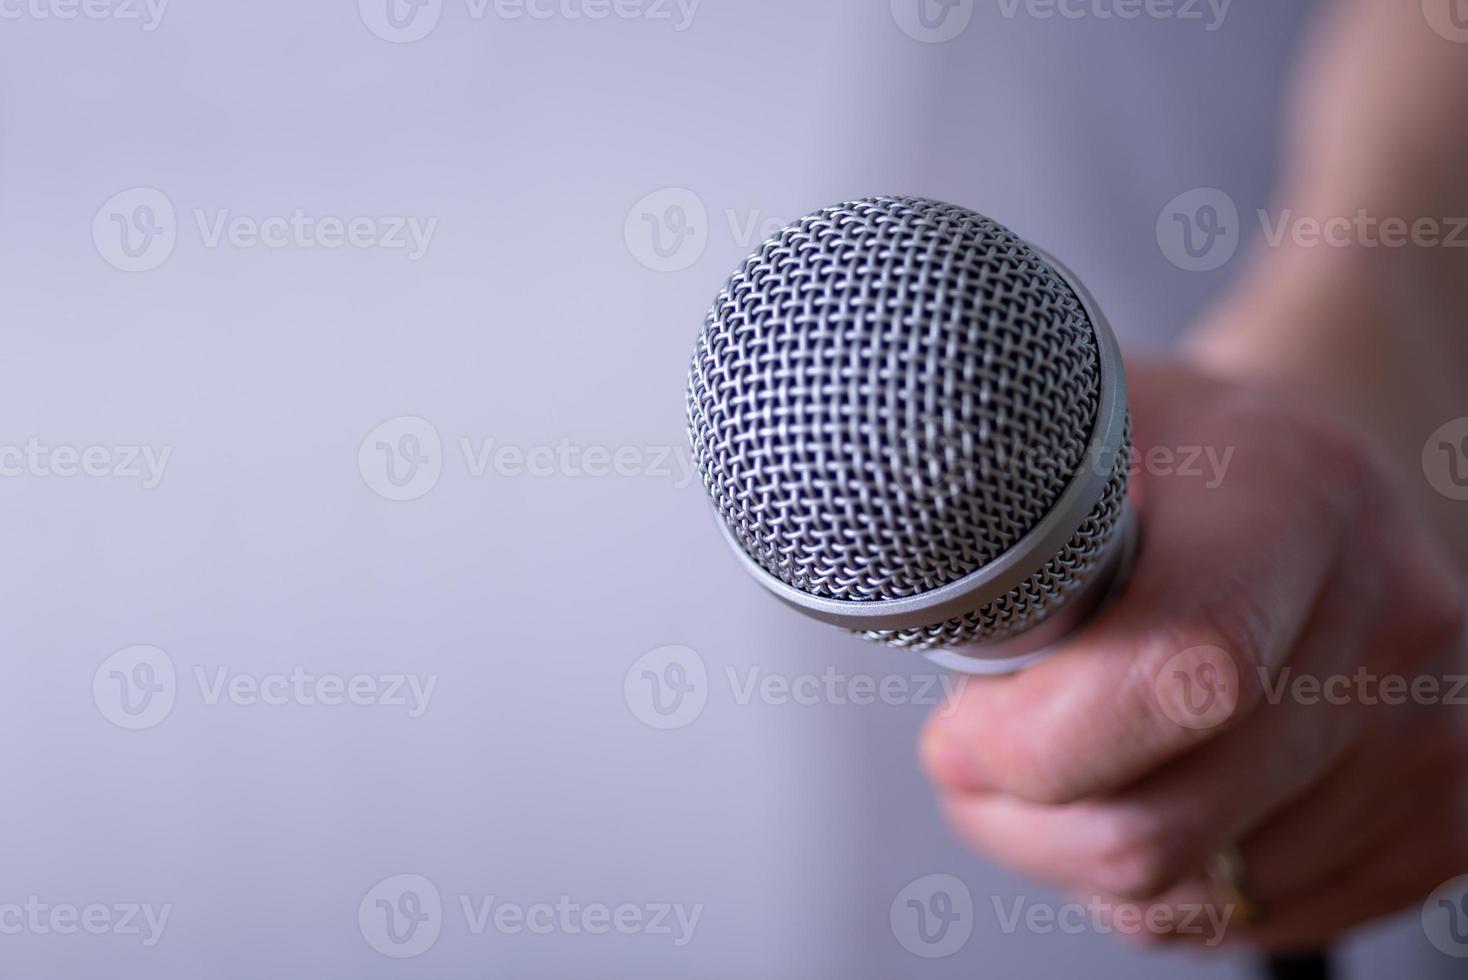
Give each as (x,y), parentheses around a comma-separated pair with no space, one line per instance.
(913,425)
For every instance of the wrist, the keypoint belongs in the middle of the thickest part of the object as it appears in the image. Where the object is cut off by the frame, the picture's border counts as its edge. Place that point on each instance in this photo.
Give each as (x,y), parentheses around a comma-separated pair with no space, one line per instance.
(1372,338)
(1311,318)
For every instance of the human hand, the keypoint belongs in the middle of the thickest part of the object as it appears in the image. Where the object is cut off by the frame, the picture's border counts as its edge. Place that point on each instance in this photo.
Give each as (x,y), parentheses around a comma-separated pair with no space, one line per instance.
(1254,685)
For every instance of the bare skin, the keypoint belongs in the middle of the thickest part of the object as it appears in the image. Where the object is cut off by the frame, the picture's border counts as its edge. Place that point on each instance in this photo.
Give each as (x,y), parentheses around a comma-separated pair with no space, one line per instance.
(1324,554)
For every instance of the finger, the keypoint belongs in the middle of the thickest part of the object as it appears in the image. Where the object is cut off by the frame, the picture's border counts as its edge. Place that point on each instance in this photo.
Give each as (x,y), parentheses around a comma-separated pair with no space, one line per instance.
(1374,836)
(1140,843)
(1295,861)
(1378,878)
(1367,843)
(1237,570)
(1144,838)
(1392,873)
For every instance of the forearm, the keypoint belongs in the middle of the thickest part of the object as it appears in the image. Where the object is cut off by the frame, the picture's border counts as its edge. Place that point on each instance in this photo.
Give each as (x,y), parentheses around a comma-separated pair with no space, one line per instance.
(1378,332)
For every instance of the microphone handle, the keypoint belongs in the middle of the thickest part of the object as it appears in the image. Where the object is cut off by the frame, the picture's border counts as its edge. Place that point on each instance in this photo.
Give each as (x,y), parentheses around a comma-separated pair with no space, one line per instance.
(1308,966)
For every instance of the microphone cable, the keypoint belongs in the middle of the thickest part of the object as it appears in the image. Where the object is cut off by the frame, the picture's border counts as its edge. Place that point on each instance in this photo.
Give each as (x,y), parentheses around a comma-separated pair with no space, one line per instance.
(1308,966)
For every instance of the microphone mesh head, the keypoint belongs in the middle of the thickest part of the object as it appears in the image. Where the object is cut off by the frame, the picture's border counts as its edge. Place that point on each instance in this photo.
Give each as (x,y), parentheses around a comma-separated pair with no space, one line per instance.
(889,395)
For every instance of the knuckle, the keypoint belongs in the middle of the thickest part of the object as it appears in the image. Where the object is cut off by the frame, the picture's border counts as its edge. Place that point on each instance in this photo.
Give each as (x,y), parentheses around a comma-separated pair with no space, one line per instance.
(1032,771)
(1203,679)
(1137,857)
(1236,624)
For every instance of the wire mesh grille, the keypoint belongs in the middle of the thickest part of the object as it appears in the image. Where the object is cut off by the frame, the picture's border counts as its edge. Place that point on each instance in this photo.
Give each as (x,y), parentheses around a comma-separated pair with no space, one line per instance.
(886,397)
(1049,588)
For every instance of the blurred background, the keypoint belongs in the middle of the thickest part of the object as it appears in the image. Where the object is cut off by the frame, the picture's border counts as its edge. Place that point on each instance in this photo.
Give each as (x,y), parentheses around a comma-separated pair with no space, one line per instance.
(363,617)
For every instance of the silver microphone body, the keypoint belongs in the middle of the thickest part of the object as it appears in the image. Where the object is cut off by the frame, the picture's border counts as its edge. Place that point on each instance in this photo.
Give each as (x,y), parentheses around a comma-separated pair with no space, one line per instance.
(914,425)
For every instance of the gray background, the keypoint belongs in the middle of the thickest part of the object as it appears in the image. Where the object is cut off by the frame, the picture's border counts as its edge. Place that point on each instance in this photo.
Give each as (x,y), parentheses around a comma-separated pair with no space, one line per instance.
(531,320)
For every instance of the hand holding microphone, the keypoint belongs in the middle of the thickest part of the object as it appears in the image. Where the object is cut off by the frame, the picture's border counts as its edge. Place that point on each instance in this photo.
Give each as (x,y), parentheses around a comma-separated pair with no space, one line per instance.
(913,425)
